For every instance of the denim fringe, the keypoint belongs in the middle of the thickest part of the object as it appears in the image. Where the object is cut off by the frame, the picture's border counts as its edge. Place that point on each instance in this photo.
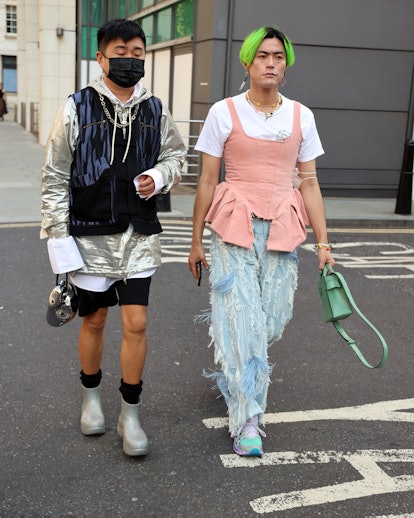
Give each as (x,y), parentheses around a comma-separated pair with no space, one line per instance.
(255,375)
(221,383)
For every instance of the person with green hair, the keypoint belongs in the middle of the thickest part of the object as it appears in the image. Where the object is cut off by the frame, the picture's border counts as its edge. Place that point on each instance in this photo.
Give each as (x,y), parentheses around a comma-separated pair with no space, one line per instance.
(258,217)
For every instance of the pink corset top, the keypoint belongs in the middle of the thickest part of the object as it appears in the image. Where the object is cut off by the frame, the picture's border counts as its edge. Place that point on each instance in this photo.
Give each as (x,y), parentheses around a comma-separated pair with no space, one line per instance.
(259,183)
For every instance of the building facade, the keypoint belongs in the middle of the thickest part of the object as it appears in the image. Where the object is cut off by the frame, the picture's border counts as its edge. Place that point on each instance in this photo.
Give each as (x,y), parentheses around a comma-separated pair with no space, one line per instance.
(354,69)
(8,50)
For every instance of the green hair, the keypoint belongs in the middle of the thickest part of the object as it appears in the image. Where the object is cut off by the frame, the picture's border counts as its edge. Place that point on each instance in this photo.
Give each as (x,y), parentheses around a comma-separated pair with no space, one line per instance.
(254,40)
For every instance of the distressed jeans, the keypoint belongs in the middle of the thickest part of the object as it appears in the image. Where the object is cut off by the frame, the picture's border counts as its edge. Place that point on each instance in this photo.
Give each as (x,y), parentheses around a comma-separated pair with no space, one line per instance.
(252,294)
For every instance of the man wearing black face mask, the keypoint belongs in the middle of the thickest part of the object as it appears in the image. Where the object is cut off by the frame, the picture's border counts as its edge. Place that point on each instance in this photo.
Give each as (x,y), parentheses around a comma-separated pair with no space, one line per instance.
(112,147)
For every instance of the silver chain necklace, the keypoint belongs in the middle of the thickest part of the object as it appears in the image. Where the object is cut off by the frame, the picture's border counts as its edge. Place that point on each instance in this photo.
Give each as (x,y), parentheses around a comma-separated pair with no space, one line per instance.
(123,116)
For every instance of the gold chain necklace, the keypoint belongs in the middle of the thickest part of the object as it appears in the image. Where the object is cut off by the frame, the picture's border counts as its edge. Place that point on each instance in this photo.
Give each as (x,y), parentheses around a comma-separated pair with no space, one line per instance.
(254,104)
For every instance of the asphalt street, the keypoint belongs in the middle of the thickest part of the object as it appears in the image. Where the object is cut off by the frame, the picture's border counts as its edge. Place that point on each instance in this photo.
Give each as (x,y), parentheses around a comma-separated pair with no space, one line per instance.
(339,436)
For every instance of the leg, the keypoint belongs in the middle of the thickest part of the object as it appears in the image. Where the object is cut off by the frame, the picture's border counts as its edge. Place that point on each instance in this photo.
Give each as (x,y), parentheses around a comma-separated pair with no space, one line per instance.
(90,346)
(134,342)
(239,331)
(133,354)
(91,340)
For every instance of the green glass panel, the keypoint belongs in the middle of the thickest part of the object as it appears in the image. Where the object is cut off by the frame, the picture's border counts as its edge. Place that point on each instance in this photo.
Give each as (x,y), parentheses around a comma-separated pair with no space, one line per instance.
(147,3)
(96,12)
(85,12)
(184,19)
(163,31)
(134,6)
(147,25)
(93,42)
(117,9)
(85,42)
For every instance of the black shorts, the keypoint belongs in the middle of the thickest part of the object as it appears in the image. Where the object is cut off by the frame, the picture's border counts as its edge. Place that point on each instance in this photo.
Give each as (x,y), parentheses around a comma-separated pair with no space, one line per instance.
(131,291)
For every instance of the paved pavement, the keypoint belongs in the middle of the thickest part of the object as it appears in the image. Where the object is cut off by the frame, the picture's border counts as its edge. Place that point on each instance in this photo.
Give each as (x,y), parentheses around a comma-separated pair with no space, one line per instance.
(20,178)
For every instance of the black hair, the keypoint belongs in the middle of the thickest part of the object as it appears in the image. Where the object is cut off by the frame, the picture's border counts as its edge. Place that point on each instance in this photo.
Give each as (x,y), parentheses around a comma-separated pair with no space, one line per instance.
(119,28)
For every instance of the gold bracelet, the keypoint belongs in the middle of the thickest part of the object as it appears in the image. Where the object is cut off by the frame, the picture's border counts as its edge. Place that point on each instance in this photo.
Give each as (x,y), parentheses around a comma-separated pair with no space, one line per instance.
(319,246)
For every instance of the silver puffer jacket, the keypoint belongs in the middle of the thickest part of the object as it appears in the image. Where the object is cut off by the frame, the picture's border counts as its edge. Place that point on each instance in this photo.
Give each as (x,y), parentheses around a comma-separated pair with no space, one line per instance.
(119,255)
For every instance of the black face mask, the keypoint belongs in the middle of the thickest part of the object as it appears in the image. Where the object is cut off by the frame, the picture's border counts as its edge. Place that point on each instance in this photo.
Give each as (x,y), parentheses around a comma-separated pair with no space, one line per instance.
(126,72)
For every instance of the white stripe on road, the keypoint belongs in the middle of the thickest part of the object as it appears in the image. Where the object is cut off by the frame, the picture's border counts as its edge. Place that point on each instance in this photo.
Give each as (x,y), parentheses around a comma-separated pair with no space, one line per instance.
(374,480)
(288,458)
(389,276)
(382,411)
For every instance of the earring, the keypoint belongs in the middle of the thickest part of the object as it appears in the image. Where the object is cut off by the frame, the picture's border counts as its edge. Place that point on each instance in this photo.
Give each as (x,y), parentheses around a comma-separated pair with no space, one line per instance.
(283,82)
(246,77)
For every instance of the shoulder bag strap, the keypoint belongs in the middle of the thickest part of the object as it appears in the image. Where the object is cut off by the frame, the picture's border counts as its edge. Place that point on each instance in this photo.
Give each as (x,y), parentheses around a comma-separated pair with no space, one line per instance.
(349,340)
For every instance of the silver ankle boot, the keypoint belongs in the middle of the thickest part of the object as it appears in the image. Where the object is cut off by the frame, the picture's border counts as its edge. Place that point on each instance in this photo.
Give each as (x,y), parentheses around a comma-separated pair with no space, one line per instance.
(92,419)
(135,441)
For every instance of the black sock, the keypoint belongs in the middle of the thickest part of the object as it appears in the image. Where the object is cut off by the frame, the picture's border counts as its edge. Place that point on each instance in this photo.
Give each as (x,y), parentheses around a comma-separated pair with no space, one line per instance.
(91,380)
(130,393)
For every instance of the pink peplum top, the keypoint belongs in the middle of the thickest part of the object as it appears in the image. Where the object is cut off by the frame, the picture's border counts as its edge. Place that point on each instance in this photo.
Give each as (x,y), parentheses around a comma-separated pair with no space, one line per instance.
(259,183)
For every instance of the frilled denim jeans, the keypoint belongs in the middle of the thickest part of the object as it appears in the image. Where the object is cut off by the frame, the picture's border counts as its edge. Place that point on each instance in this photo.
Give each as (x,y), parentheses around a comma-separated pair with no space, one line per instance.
(252,294)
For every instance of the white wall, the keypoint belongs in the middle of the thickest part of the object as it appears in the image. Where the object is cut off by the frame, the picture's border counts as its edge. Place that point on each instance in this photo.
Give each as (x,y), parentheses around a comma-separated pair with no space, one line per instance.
(161,74)
(57,59)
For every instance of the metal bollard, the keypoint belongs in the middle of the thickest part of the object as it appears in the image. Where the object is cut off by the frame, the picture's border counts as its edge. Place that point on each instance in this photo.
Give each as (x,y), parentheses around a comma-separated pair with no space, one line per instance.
(405,187)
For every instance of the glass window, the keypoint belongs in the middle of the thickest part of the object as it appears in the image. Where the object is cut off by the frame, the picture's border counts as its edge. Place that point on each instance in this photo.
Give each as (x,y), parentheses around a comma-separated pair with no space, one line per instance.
(10,74)
(11,19)
(84,12)
(164,25)
(93,42)
(147,3)
(116,9)
(96,12)
(147,25)
(89,42)
(85,42)
(184,19)
(134,6)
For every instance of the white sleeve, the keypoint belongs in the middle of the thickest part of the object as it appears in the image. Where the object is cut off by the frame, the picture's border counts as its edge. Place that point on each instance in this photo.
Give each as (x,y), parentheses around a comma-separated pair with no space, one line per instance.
(216,129)
(64,255)
(158,181)
(311,146)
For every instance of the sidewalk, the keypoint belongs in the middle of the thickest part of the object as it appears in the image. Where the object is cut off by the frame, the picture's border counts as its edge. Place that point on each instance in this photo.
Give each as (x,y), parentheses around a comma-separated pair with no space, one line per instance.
(20,178)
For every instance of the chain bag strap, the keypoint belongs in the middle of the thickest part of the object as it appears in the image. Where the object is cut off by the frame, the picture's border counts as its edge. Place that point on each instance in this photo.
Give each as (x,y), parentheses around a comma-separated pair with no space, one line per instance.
(337,304)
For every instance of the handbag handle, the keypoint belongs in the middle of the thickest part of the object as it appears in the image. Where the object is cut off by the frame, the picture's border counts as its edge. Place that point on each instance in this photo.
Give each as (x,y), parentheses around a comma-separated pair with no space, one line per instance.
(344,334)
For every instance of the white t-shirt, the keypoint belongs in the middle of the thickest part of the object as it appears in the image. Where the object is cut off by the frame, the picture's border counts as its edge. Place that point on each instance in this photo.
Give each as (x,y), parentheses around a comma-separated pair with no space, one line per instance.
(218,125)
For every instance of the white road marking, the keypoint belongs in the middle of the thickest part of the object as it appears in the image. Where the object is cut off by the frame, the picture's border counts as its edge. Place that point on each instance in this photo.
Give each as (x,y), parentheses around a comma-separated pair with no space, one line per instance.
(400,257)
(355,244)
(374,482)
(389,276)
(368,230)
(381,411)
(176,242)
(289,458)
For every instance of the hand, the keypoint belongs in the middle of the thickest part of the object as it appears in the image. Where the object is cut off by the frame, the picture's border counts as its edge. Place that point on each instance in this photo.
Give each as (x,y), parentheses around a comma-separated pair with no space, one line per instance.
(196,254)
(146,186)
(325,257)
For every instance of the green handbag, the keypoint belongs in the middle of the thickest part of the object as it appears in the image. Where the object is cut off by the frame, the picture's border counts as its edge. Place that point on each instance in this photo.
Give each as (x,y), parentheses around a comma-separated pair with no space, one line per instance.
(337,304)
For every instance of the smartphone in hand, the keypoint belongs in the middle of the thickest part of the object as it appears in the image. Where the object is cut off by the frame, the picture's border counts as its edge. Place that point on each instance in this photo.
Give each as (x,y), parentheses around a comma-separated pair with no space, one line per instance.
(199,269)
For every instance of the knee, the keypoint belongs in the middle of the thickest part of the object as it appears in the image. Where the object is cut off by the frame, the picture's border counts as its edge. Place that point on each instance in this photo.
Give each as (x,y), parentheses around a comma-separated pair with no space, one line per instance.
(95,322)
(134,322)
